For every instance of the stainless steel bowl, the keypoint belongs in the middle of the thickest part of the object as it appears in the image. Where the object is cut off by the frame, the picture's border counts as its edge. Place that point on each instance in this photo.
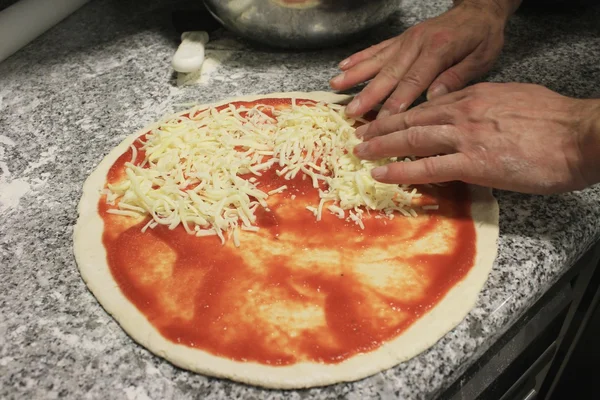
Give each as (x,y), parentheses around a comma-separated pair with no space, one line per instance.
(301,23)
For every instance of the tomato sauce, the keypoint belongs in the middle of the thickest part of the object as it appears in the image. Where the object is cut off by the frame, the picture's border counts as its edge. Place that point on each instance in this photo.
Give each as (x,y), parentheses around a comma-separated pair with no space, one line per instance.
(209,279)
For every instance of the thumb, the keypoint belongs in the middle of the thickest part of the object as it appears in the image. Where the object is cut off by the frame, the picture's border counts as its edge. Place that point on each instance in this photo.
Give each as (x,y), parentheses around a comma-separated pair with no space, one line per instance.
(453,79)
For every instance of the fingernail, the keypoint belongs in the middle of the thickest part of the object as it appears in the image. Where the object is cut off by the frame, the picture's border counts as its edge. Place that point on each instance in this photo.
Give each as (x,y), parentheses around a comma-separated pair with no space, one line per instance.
(379,172)
(383,114)
(360,131)
(361,149)
(437,91)
(337,80)
(353,106)
(343,63)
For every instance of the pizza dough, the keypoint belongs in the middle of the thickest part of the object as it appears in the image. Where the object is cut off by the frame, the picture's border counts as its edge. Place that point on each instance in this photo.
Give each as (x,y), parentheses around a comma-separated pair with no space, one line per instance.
(91,259)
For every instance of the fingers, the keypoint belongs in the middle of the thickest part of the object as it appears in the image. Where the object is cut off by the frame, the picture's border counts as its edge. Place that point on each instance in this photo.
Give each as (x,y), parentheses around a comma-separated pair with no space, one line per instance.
(418,116)
(385,81)
(453,167)
(364,70)
(454,78)
(364,54)
(417,141)
(445,100)
(414,82)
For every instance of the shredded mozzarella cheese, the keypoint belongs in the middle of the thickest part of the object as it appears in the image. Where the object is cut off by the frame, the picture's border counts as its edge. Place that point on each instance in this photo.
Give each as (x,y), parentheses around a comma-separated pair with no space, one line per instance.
(200,169)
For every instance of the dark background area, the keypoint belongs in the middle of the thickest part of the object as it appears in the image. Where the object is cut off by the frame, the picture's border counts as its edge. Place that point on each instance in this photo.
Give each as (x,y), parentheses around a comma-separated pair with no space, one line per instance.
(583,370)
(6,3)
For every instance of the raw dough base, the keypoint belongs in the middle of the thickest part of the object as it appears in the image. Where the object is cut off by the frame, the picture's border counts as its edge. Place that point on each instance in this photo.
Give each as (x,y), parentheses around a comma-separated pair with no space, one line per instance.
(426,331)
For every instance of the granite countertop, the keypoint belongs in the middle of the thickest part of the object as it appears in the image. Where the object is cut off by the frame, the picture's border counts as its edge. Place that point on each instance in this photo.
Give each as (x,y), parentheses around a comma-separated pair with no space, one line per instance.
(73,94)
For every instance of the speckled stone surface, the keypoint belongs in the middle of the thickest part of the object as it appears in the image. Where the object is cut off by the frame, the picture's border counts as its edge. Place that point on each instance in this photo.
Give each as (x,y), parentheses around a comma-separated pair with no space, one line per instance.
(73,94)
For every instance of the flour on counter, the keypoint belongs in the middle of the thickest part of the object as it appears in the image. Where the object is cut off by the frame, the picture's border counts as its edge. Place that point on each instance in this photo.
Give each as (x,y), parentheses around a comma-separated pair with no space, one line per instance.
(104,65)
(11,193)
(151,110)
(136,393)
(6,141)
(209,70)
(46,157)
(11,190)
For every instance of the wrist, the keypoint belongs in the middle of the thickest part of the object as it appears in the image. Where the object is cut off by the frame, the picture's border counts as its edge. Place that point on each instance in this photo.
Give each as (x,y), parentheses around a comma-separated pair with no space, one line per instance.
(500,8)
(589,139)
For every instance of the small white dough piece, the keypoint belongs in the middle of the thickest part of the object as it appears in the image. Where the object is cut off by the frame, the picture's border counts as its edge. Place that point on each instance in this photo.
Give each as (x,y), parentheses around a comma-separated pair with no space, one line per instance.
(190,54)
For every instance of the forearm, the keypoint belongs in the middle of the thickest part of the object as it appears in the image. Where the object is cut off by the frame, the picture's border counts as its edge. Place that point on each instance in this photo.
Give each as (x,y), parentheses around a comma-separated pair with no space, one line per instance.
(505,8)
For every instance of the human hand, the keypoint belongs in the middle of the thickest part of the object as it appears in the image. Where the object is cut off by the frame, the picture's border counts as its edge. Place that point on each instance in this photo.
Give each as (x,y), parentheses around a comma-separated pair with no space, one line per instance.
(443,53)
(513,136)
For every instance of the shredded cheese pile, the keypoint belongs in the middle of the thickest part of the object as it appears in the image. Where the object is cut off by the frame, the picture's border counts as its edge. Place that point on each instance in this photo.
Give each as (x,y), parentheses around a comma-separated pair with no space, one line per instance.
(200,170)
